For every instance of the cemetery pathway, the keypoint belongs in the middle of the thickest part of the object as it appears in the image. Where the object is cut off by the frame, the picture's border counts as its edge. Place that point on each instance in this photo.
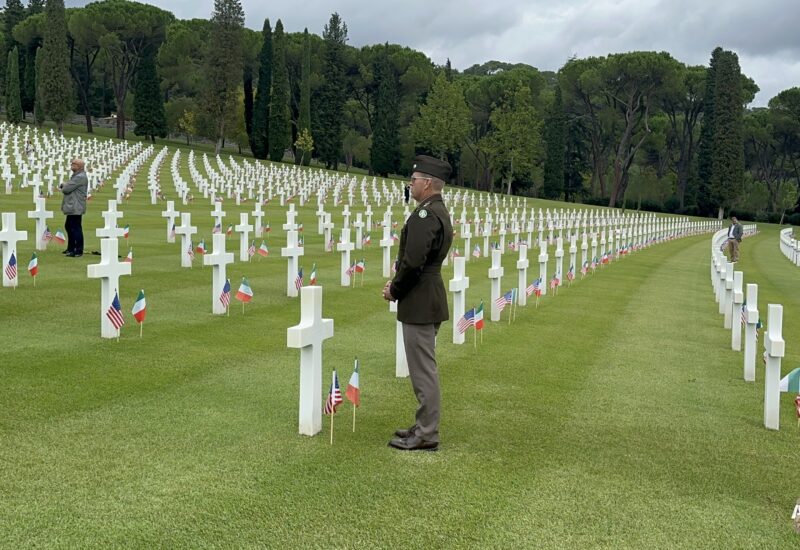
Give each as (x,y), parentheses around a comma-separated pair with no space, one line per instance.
(637,412)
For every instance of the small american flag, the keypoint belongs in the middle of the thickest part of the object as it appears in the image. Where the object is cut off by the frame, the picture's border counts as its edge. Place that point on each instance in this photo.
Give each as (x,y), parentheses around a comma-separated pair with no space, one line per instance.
(468,320)
(744,313)
(225,297)
(11,268)
(298,281)
(47,235)
(334,396)
(251,251)
(114,312)
(190,252)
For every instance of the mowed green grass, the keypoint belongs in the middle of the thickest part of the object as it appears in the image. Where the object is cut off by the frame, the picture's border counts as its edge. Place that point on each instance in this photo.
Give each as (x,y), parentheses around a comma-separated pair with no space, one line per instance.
(613,415)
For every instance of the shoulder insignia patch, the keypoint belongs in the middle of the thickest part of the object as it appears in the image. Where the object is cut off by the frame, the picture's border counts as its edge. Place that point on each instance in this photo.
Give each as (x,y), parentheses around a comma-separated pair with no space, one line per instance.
(423,213)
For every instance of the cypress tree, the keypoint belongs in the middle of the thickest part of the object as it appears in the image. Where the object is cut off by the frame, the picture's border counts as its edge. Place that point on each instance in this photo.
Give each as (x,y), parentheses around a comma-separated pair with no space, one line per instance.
(727,163)
(279,117)
(259,141)
(56,85)
(13,103)
(385,152)
(332,93)
(38,112)
(223,67)
(28,87)
(148,103)
(705,145)
(304,121)
(555,147)
(247,83)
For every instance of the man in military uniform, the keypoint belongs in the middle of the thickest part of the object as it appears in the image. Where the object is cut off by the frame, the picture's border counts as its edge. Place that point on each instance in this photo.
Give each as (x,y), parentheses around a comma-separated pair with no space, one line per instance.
(422,299)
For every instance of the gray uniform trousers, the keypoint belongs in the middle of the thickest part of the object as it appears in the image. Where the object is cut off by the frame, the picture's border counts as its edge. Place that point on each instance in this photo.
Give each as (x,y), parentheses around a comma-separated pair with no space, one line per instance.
(420,345)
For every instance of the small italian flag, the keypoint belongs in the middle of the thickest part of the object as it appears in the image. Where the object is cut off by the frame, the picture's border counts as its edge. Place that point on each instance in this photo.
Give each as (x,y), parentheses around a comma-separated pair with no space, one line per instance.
(140,308)
(129,257)
(60,237)
(33,265)
(263,250)
(245,293)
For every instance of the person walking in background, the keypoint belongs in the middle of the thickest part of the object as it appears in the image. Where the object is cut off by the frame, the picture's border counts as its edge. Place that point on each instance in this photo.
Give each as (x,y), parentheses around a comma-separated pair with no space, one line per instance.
(73,205)
(422,299)
(735,232)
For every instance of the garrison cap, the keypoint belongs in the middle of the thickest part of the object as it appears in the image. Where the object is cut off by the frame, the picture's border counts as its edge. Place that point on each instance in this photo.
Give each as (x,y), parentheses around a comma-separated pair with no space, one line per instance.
(433,166)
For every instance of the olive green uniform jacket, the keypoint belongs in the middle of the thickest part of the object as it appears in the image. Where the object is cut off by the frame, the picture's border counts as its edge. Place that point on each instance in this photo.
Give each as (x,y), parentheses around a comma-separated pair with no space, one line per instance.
(424,243)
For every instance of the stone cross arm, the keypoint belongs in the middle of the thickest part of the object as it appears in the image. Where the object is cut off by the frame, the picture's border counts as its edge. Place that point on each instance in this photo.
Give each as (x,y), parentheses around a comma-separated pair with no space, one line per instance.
(312,329)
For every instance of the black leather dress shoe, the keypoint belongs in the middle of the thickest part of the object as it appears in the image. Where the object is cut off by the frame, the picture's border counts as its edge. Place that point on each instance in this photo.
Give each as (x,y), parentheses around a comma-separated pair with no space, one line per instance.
(413,443)
(70,254)
(66,252)
(403,434)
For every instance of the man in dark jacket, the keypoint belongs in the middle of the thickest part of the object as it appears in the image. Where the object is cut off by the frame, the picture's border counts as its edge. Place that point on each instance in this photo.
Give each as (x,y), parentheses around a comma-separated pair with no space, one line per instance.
(422,299)
(735,232)
(73,205)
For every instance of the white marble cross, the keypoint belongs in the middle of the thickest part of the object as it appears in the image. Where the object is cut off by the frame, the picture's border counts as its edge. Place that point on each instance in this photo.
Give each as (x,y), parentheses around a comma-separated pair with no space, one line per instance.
(218,214)
(774,350)
(186,230)
(308,335)
(543,257)
(345,247)
(400,359)
(346,216)
(108,271)
(573,251)
(496,275)
(219,259)
(736,311)
(368,215)
(258,215)
(466,232)
(110,229)
(290,224)
(291,252)
(458,286)
(170,214)
(243,229)
(320,213)
(9,236)
(584,250)
(41,215)
(750,339)
(386,243)
(559,261)
(359,225)
(327,232)
(727,298)
(522,268)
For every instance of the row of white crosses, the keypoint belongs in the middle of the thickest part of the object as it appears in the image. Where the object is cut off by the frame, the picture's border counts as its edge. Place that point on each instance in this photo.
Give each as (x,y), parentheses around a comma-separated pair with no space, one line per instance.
(153,180)
(460,282)
(738,309)
(790,247)
(49,162)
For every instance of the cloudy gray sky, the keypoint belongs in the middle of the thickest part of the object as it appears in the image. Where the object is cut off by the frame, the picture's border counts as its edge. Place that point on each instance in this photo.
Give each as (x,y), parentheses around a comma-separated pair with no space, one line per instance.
(545,33)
